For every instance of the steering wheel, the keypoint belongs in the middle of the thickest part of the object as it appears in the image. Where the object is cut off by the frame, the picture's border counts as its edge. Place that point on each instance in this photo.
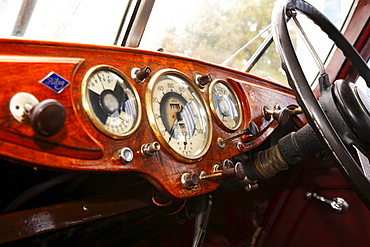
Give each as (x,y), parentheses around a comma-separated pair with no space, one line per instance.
(341,117)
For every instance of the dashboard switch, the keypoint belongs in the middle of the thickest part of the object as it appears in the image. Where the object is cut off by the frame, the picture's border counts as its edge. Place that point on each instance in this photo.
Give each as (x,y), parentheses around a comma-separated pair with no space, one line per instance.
(278,114)
(125,155)
(203,80)
(237,171)
(150,149)
(251,130)
(189,181)
(140,74)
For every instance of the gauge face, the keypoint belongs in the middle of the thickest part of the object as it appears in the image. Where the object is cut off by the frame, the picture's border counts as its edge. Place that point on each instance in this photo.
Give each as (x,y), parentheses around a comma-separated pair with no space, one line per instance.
(225,105)
(178,115)
(111,102)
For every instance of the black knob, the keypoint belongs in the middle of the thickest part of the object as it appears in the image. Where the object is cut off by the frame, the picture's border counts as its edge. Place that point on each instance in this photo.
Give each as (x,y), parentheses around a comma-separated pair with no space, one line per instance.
(48,117)
(252,129)
(143,73)
(203,80)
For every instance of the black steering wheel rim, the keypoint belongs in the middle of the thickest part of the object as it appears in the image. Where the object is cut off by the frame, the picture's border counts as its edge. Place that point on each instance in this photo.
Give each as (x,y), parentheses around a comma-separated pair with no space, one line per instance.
(304,95)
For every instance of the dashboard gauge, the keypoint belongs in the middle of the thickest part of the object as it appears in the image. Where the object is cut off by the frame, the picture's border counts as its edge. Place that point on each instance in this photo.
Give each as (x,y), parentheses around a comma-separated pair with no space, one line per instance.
(111,101)
(178,115)
(225,105)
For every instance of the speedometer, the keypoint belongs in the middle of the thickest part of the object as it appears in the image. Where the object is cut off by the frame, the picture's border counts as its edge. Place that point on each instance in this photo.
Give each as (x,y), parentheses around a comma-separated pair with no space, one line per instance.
(111,101)
(178,115)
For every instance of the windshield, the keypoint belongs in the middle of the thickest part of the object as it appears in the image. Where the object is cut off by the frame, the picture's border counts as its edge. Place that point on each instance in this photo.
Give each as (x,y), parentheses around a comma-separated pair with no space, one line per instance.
(78,21)
(215,30)
(209,30)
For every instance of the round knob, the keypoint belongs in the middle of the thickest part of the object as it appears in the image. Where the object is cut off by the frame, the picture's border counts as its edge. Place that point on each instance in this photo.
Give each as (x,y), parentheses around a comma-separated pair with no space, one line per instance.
(189,180)
(48,117)
(252,129)
(203,80)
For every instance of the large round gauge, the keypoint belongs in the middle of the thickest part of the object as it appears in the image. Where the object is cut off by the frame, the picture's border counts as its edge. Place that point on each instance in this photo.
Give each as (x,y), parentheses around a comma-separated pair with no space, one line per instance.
(111,101)
(225,105)
(178,115)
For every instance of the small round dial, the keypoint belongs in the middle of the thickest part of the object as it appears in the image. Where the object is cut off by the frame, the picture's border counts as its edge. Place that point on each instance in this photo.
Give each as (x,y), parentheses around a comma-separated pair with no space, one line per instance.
(111,101)
(225,105)
(178,115)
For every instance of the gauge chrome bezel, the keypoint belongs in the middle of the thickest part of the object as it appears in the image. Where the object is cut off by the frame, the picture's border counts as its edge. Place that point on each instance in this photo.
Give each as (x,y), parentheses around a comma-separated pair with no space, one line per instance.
(89,111)
(238,104)
(154,125)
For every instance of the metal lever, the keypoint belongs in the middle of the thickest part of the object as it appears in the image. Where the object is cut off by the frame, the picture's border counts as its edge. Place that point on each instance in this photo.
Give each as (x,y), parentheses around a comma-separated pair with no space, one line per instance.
(251,130)
(237,171)
(201,218)
(338,205)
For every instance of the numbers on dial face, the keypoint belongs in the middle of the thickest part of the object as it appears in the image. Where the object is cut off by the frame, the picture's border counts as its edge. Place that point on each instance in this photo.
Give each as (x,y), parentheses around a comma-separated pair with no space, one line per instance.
(112,103)
(225,105)
(180,116)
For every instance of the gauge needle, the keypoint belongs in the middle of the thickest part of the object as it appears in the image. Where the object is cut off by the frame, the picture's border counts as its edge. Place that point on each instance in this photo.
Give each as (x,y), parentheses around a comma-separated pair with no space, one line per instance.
(175,123)
(185,142)
(172,130)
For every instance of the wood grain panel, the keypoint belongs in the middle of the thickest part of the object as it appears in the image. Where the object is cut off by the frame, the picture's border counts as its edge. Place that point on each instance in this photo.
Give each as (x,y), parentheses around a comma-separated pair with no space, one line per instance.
(81,147)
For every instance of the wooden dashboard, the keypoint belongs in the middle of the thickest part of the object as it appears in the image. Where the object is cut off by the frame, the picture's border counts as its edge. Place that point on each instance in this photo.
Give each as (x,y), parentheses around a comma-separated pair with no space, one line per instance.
(80,146)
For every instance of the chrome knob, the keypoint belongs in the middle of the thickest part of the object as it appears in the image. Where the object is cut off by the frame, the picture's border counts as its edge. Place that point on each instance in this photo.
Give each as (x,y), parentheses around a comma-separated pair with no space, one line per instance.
(125,155)
(150,149)
(189,180)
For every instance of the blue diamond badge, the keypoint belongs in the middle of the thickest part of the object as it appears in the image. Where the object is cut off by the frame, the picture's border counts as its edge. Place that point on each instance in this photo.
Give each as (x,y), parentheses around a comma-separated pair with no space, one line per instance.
(55,82)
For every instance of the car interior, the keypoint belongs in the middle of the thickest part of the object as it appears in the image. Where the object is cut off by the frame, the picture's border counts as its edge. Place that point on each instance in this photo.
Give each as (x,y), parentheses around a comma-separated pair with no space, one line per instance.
(185,123)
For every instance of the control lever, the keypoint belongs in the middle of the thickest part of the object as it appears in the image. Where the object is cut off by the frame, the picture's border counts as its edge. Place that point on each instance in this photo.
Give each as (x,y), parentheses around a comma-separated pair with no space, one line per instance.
(251,130)
(202,211)
(237,171)
(278,114)
(338,205)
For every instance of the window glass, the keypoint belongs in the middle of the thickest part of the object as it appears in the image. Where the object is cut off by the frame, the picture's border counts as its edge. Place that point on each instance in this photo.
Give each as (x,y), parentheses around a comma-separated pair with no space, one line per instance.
(214,30)
(79,21)
(337,12)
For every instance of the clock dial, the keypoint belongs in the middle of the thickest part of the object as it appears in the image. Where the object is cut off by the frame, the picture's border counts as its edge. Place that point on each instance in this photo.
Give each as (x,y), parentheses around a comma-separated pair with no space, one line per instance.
(111,101)
(225,105)
(178,115)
